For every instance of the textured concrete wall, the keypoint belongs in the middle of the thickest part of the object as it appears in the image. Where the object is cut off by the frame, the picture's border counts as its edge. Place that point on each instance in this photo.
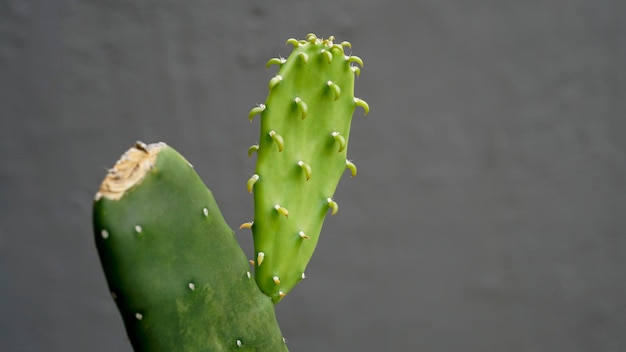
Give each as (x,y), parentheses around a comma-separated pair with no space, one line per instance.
(489,213)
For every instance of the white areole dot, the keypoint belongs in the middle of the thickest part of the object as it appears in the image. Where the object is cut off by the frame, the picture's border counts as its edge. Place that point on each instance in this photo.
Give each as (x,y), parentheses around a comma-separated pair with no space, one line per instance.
(205,211)
(238,343)
(139,316)
(192,286)
(137,228)
(104,234)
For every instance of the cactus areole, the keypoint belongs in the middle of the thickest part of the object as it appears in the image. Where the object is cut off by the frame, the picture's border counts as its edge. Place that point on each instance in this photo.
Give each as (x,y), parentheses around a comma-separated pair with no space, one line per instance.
(173,266)
(301,155)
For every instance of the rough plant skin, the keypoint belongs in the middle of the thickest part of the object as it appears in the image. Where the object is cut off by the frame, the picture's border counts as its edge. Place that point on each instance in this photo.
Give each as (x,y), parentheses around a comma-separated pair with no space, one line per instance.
(177,274)
(301,155)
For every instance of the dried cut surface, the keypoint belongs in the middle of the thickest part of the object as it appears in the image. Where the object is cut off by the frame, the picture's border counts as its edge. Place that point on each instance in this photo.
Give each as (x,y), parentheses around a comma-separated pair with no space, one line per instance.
(129,170)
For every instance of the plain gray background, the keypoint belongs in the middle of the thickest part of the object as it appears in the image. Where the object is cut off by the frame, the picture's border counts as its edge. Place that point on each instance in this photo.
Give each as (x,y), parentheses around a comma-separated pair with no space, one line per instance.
(489,212)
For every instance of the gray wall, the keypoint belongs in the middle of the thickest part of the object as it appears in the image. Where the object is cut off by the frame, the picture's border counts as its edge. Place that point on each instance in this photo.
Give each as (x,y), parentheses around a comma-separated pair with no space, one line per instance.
(489,209)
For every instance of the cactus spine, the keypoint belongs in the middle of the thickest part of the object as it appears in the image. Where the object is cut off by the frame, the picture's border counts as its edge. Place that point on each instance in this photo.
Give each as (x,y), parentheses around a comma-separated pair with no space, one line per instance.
(177,274)
(301,155)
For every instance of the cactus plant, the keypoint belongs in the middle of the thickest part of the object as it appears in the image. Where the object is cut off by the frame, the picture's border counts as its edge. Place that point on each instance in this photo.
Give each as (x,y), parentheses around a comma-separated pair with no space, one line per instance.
(177,274)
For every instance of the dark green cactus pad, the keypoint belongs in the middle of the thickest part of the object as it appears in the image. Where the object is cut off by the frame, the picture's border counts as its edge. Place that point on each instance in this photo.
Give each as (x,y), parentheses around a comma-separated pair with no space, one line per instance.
(176,272)
(301,155)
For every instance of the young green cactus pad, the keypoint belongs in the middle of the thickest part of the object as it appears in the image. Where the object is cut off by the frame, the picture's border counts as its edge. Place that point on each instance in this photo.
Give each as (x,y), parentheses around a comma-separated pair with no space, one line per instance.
(177,274)
(301,155)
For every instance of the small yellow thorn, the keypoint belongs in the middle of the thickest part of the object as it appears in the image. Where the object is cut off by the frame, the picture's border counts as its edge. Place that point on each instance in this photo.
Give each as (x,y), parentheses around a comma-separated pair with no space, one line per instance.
(251,262)
(311,38)
(335,89)
(276,280)
(259,258)
(278,140)
(350,166)
(303,235)
(356,59)
(281,210)
(257,110)
(294,42)
(246,225)
(340,140)
(306,168)
(275,61)
(338,47)
(356,70)
(362,103)
(328,55)
(304,109)
(253,148)
(333,205)
(346,43)
(251,181)
(274,81)
(281,294)
(303,57)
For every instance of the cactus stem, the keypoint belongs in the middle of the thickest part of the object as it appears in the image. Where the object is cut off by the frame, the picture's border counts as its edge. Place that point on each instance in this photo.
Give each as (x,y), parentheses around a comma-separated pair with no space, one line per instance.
(259,258)
(251,181)
(328,55)
(246,225)
(281,210)
(340,140)
(253,148)
(275,61)
(256,111)
(333,205)
(276,280)
(303,235)
(304,110)
(306,168)
(335,89)
(363,104)
(274,81)
(192,286)
(350,166)
(355,59)
(138,316)
(294,42)
(138,229)
(104,234)
(205,211)
(278,139)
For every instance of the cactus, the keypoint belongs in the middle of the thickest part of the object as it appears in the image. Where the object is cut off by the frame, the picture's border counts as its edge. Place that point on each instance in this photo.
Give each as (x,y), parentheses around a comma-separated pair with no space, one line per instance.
(301,155)
(180,280)
(177,274)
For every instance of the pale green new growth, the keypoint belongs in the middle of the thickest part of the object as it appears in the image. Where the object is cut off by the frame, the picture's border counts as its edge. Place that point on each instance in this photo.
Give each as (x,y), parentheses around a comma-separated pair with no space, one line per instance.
(301,155)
